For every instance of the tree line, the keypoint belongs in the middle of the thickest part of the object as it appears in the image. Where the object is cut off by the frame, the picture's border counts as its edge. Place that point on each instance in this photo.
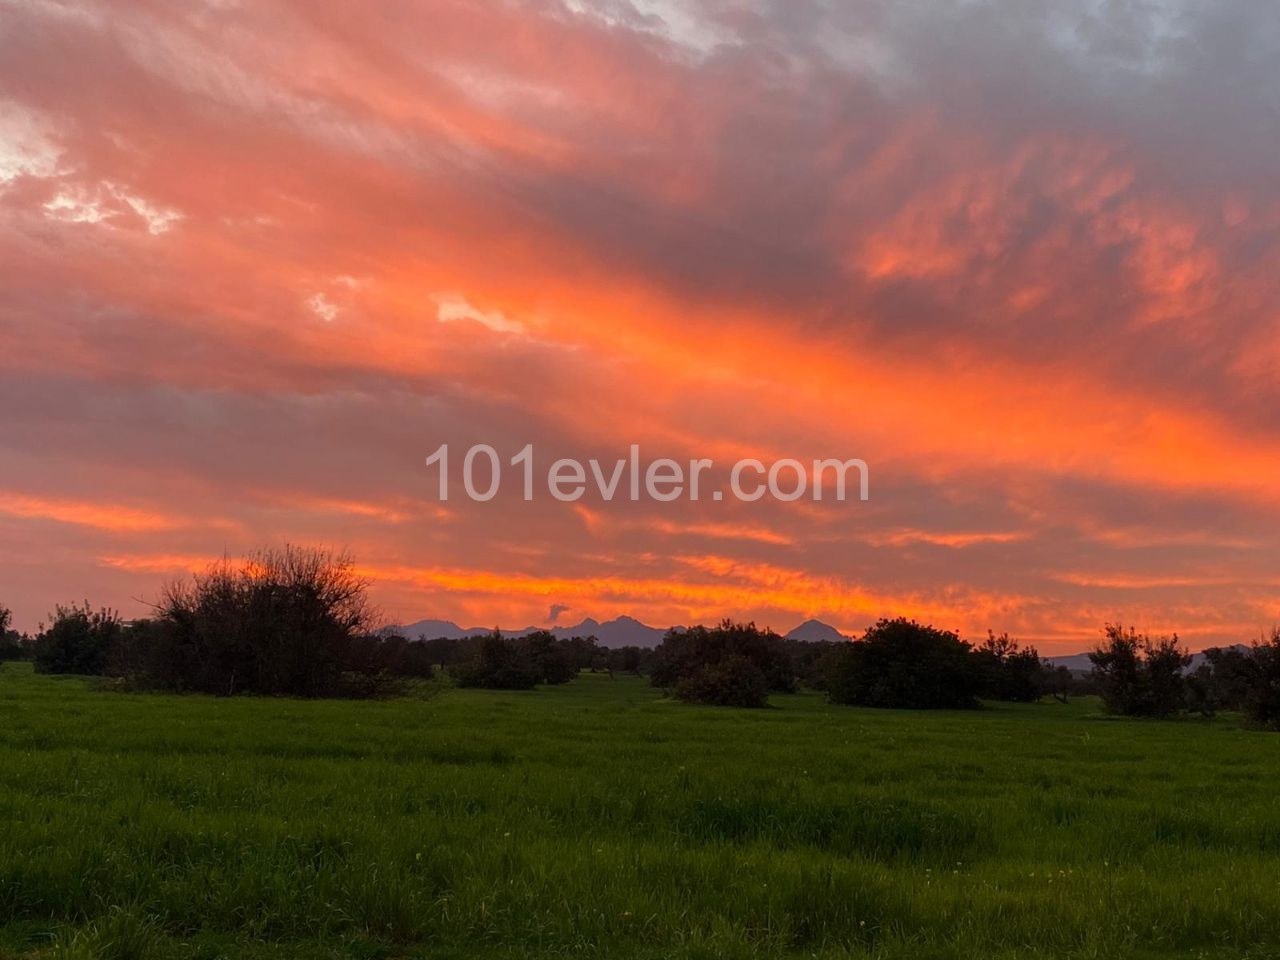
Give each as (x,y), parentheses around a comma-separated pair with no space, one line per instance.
(896,663)
(298,622)
(289,622)
(899,663)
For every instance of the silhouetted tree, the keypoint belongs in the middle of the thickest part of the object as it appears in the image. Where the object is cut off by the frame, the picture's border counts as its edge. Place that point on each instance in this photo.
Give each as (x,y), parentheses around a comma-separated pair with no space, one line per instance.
(631,659)
(1232,673)
(684,653)
(810,660)
(1262,702)
(1059,682)
(1117,664)
(1140,676)
(901,663)
(732,681)
(583,651)
(143,653)
(283,622)
(1200,693)
(78,640)
(554,661)
(444,651)
(498,664)
(1009,671)
(13,645)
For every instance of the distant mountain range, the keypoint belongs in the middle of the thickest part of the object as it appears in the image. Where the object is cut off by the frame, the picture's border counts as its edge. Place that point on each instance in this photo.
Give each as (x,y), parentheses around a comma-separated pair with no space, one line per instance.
(630,632)
(1080,662)
(622,632)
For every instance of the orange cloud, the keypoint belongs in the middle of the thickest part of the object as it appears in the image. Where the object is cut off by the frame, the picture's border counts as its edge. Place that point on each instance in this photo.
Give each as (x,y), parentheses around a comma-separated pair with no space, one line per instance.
(258,260)
(113,518)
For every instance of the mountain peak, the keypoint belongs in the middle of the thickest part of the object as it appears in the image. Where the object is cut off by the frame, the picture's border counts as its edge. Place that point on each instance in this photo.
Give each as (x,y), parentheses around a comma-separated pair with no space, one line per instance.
(814,630)
(621,632)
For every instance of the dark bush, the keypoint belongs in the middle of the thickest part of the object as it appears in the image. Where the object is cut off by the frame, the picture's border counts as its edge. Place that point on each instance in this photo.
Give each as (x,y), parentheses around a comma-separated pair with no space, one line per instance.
(283,623)
(376,665)
(811,660)
(633,660)
(901,663)
(1262,701)
(583,651)
(731,682)
(1231,675)
(499,664)
(1008,671)
(1201,694)
(143,653)
(78,640)
(13,645)
(1139,676)
(684,653)
(553,661)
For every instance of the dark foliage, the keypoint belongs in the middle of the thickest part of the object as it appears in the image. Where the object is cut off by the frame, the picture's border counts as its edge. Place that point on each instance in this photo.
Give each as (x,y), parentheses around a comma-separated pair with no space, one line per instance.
(901,663)
(13,645)
(1262,701)
(811,661)
(521,663)
(389,656)
(499,664)
(633,660)
(733,681)
(78,640)
(1200,691)
(1008,671)
(683,654)
(1060,683)
(553,661)
(286,622)
(1230,677)
(1139,676)
(142,652)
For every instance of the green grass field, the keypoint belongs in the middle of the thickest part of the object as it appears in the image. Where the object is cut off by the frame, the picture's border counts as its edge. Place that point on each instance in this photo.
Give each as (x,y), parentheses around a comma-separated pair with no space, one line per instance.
(598,819)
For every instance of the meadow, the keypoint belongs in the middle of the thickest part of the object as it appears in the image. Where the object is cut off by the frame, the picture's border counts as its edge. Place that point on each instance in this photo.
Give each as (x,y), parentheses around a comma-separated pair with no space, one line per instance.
(598,819)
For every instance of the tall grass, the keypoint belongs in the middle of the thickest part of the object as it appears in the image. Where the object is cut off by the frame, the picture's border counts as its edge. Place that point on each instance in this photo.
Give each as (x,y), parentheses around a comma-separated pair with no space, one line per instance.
(599,820)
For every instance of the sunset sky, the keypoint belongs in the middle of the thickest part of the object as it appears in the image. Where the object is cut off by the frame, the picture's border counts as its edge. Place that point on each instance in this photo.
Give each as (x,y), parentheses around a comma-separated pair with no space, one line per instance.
(259,259)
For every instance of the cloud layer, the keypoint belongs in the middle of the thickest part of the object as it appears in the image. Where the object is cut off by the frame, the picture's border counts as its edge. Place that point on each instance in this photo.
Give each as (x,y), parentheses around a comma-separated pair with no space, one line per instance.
(258,260)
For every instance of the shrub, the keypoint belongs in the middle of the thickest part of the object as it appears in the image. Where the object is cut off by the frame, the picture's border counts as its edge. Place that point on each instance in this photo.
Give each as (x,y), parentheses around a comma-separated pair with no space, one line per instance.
(1201,695)
(13,646)
(284,622)
(499,664)
(1262,701)
(684,653)
(631,659)
(1231,676)
(731,682)
(552,660)
(142,653)
(1140,677)
(811,659)
(901,663)
(78,640)
(1008,671)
